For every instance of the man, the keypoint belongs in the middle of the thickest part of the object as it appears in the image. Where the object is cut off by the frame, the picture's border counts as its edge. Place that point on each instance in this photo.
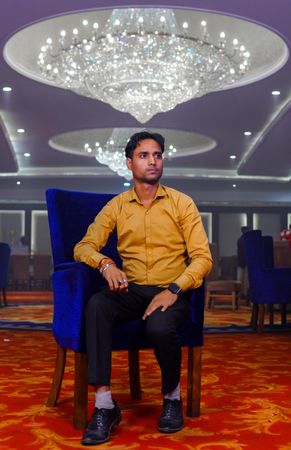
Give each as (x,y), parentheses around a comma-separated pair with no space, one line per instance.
(164,251)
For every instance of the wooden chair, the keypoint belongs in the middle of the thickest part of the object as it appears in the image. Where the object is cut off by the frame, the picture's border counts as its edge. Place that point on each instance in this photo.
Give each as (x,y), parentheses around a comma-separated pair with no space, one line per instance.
(42,267)
(282,254)
(218,289)
(73,285)
(19,271)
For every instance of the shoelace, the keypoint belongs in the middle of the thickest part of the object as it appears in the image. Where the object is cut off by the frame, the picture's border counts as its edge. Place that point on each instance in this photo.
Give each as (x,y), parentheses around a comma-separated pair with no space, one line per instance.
(170,407)
(99,417)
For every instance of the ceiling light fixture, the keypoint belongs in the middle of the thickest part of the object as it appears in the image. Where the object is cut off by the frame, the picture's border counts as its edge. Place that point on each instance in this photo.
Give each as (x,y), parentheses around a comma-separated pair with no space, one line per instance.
(7,89)
(276,92)
(141,62)
(232,157)
(27,155)
(20,130)
(247,133)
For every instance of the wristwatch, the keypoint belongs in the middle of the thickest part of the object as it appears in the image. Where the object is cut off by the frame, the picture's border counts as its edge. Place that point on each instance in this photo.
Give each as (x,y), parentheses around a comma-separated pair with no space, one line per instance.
(174,288)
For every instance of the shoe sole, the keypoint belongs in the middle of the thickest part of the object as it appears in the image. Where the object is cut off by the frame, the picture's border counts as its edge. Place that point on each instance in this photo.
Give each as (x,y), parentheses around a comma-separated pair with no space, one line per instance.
(170,430)
(96,442)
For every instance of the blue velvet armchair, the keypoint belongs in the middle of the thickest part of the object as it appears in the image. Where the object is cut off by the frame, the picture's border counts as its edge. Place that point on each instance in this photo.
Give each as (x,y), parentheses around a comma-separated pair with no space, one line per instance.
(4,264)
(69,214)
(269,285)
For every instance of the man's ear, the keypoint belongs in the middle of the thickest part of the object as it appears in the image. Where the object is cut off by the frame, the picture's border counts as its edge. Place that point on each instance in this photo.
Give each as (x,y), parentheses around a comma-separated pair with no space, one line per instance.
(128,163)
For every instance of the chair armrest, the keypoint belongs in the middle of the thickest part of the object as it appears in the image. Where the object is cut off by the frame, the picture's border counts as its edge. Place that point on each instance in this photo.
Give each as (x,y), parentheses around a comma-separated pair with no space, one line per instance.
(73,285)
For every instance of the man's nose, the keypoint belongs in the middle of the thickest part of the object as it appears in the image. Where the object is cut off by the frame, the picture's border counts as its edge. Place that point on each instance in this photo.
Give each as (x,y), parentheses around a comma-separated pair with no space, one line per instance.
(151,160)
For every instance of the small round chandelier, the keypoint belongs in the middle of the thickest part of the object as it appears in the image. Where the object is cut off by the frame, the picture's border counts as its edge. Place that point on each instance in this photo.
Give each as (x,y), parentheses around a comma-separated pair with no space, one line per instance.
(111,153)
(141,62)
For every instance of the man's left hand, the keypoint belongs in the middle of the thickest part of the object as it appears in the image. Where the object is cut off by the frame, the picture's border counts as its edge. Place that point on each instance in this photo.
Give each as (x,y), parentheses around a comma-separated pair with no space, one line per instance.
(164,299)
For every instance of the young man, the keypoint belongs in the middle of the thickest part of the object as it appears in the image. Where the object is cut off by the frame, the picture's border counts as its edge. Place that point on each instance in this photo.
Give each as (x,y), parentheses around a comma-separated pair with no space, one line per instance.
(164,251)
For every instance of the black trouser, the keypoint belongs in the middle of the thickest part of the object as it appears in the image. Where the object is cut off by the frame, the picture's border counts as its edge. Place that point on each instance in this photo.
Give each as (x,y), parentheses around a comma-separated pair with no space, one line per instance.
(107,308)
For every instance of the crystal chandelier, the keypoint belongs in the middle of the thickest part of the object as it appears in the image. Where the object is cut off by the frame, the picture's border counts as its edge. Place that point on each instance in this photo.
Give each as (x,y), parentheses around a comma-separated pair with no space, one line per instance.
(141,62)
(112,152)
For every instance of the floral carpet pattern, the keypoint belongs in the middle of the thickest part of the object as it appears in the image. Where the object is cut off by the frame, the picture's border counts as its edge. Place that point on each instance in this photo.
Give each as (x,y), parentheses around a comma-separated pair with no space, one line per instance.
(218,320)
(246,397)
(245,405)
(246,400)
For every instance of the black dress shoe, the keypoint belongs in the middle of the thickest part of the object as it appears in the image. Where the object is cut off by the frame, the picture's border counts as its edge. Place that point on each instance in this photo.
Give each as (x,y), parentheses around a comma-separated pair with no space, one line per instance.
(171,419)
(101,425)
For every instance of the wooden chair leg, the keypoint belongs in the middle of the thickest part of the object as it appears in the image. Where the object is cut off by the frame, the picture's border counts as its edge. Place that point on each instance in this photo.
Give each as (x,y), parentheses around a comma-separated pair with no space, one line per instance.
(194,381)
(4,297)
(233,300)
(207,300)
(261,318)
(134,375)
(58,376)
(283,314)
(254,317)
(271,314)
(80,390)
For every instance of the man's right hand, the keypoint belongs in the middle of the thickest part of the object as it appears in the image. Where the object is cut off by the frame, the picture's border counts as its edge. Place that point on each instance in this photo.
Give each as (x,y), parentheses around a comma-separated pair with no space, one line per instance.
(116,279)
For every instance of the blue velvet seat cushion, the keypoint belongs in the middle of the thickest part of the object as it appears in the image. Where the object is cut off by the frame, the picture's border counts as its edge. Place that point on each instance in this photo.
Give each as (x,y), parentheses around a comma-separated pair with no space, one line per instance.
(75,283)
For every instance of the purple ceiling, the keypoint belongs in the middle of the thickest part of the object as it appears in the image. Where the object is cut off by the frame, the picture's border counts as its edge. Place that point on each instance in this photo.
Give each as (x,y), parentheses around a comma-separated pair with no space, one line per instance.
(45,111)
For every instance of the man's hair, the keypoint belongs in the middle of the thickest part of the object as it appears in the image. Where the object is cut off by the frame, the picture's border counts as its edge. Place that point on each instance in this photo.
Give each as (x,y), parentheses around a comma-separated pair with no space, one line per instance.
(141,136)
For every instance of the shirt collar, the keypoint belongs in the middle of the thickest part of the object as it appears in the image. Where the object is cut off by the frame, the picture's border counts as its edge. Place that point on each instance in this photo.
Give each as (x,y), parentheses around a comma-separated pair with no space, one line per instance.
(161,192)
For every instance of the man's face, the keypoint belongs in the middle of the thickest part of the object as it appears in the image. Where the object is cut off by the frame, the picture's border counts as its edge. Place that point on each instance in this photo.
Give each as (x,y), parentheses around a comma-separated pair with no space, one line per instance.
(146,163)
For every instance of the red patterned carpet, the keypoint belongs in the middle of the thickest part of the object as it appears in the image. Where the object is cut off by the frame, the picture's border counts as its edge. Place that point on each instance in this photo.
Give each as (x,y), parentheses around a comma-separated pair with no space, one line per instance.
(21,315)
(246,397)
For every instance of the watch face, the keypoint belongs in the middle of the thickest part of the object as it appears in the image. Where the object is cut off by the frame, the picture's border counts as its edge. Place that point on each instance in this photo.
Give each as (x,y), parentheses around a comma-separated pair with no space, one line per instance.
(174,288)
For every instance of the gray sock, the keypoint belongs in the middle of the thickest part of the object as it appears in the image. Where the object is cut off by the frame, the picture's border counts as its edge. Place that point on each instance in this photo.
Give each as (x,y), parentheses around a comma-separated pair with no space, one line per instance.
(104,400)
(175,394)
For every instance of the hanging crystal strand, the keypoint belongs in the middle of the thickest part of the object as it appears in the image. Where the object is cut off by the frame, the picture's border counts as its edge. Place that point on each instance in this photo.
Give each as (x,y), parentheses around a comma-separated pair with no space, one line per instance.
(205,34)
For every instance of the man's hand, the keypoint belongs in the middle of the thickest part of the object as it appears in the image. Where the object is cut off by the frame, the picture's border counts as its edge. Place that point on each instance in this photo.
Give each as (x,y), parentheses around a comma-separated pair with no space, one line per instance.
(164,299)
(116,279)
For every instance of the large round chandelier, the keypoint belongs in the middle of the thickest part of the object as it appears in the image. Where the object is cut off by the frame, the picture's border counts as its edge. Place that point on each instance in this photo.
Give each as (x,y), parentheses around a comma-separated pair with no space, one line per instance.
(142,62)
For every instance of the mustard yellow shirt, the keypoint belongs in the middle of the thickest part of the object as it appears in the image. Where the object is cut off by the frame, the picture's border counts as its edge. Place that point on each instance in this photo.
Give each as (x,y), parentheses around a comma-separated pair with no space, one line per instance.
(162,244)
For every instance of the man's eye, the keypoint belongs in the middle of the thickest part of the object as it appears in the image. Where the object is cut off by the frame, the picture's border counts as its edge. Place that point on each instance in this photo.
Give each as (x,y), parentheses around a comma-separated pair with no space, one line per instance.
(158,155)
(143,155)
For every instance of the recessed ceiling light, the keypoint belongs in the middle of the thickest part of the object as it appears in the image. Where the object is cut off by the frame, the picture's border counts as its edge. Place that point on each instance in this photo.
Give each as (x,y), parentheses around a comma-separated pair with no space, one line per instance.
(18,182)
(276,92)
(7,89)
(234,185)
(247,133)
(27,155)
(232,157)
(20,130)
(126,184)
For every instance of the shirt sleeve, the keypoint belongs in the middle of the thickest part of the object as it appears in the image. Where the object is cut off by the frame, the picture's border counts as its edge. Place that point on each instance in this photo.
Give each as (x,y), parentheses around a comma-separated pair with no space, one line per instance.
(88,249)
(197,246)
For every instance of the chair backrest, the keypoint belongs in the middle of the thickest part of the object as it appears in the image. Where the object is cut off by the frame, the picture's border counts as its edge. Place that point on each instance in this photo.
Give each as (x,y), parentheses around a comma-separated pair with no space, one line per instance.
(42,267)
(69,214)
(228,267)
(214,274)
(282,254)
(4,264)
(259,257)
(20,267)
(259,250)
